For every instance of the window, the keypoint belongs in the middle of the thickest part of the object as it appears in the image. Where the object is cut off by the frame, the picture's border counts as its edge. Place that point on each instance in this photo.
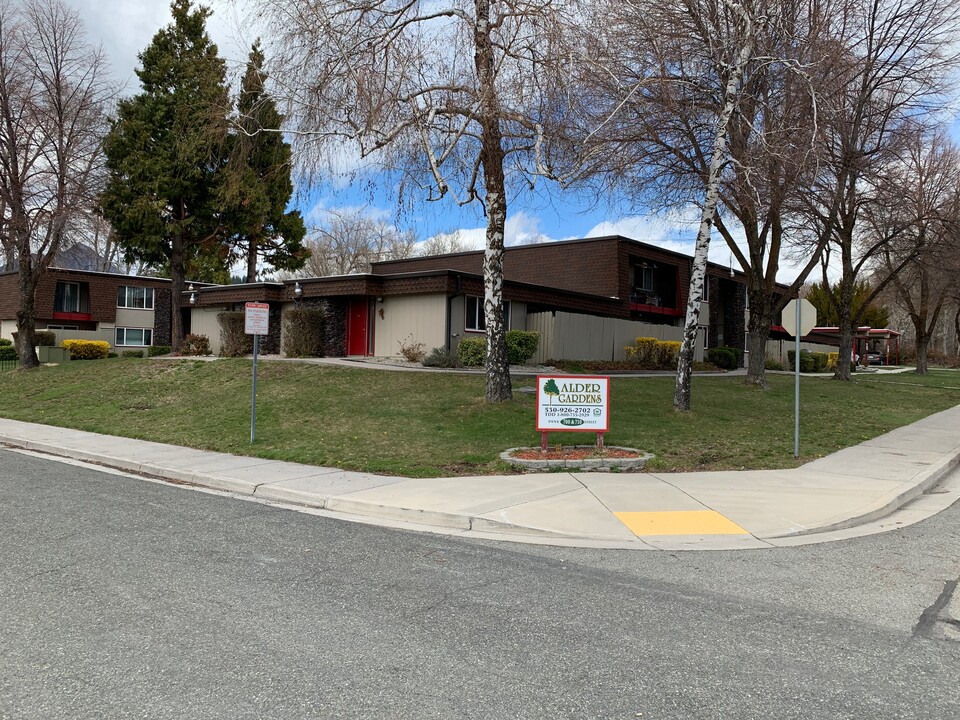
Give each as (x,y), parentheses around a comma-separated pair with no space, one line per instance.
(645,277)
(134,337)
(475,321)
(136,298)
(67,298)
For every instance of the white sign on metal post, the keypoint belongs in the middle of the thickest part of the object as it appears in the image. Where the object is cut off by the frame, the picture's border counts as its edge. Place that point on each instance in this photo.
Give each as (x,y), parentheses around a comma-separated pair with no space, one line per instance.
(807,321)
(256,318)
(799,318)
(256,322)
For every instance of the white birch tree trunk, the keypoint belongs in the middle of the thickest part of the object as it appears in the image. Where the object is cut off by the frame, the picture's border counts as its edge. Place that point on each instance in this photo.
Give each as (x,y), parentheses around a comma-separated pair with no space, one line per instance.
(681,393)
(498,386)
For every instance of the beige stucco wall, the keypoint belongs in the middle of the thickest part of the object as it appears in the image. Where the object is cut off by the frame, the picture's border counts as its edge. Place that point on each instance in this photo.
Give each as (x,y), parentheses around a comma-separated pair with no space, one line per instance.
(203,321)
(406,318)
(8,328)
(132,319)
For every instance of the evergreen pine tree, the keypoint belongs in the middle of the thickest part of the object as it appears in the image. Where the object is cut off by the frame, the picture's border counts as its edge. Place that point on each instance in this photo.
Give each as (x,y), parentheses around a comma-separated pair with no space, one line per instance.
(167,156)
(260,186)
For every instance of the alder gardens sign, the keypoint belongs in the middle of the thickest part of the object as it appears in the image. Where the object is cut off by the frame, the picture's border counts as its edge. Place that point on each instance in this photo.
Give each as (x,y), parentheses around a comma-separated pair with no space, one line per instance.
(573,403)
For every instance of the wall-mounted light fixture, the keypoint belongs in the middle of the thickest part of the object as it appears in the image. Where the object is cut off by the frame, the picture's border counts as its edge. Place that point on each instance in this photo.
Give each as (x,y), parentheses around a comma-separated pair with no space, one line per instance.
(297,291)
(380,299)
(193,298)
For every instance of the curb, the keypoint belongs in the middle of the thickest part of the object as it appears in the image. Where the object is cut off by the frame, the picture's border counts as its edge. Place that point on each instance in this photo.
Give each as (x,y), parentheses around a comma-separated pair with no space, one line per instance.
(884,507)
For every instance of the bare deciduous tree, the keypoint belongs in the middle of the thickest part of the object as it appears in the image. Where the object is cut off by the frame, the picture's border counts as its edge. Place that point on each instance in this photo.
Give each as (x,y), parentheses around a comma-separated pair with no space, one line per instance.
(918,208)
(668,78)
(458,94)
(443,244)
(350,241)
(53,95)
(891,69)
(666,69)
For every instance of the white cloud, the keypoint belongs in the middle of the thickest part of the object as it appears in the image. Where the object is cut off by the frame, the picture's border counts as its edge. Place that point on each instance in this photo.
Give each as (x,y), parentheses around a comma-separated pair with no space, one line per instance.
(124,29)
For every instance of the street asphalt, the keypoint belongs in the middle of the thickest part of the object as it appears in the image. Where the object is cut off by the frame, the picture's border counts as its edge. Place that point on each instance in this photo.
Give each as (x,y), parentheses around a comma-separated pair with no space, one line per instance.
(845,494)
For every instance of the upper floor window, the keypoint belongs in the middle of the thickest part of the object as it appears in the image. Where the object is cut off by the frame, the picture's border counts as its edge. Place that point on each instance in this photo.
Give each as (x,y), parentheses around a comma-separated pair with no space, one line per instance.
(645,277)
(476,321)
(67,298)
(137,298)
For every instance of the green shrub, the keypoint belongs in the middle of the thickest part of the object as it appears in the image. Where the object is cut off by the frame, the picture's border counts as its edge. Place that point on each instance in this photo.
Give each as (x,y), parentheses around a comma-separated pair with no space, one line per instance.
(521,346)
(155,350)
(8,352)
(832,360)
(234,342)
(772,364)
(45,338)
(303,332)
(87,349)
(112,355)
(195,345)
(132,354)
(441,358)
(726,358)
(472,351)
(6,342)
(807,363)
(819,361)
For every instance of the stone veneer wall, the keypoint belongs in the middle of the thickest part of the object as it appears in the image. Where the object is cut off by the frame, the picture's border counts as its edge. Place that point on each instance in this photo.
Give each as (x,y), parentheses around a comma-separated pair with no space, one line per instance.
(334,324)
(162,331)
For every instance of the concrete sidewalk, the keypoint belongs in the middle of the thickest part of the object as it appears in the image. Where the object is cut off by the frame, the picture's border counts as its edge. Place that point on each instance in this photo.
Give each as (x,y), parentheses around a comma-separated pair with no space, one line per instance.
(834,497)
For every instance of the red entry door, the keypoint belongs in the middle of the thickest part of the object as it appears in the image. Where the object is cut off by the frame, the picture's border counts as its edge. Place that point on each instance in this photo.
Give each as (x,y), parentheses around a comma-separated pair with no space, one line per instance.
(358,327)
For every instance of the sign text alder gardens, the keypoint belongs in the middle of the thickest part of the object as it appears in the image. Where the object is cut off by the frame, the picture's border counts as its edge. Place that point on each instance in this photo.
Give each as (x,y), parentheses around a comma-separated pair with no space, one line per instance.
(573,403)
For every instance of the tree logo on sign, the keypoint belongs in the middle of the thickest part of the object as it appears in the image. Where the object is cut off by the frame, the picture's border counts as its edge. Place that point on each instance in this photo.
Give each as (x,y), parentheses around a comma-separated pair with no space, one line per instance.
(550,388)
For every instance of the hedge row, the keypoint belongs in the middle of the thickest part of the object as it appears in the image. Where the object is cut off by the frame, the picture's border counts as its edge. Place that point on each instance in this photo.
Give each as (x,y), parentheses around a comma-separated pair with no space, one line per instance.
(727,358)
(521,346)
(811,362)
(86,349)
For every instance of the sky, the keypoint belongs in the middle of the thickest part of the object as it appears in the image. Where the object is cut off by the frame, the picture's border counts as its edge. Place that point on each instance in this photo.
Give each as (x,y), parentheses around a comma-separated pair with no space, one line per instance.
(125,27)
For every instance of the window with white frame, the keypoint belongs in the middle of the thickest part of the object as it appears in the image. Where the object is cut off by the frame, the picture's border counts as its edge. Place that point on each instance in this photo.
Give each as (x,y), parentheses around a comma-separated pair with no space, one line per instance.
(135,298)
(135,337)
(475,320)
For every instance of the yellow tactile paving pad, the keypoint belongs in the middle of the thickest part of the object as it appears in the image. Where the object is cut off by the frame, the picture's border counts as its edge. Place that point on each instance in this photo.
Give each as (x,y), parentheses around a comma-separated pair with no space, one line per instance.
(686,522)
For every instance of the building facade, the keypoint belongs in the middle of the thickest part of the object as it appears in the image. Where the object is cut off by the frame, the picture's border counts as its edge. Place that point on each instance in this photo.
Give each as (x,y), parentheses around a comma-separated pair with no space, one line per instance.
(588,299)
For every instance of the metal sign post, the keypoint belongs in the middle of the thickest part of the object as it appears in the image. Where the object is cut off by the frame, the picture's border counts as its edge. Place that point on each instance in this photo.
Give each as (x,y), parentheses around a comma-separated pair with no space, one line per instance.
(799,318)
(256,322)
(253,399)
(796,389)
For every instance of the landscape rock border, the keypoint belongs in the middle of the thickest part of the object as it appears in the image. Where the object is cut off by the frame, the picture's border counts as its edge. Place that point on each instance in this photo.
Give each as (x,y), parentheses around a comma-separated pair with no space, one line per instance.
(591,464)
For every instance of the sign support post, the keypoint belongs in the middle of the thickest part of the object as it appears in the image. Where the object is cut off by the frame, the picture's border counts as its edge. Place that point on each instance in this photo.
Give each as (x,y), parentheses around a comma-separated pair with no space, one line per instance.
(799,318)
(253,400)
(796,390)
(256,322)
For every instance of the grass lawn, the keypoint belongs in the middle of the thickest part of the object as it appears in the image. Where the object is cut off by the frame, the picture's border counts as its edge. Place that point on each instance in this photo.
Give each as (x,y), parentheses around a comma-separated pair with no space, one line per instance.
(420,424)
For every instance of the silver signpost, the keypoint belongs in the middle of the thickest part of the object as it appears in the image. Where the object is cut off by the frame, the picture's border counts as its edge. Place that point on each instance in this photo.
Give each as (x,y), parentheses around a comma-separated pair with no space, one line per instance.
(799,318)
(256,322)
